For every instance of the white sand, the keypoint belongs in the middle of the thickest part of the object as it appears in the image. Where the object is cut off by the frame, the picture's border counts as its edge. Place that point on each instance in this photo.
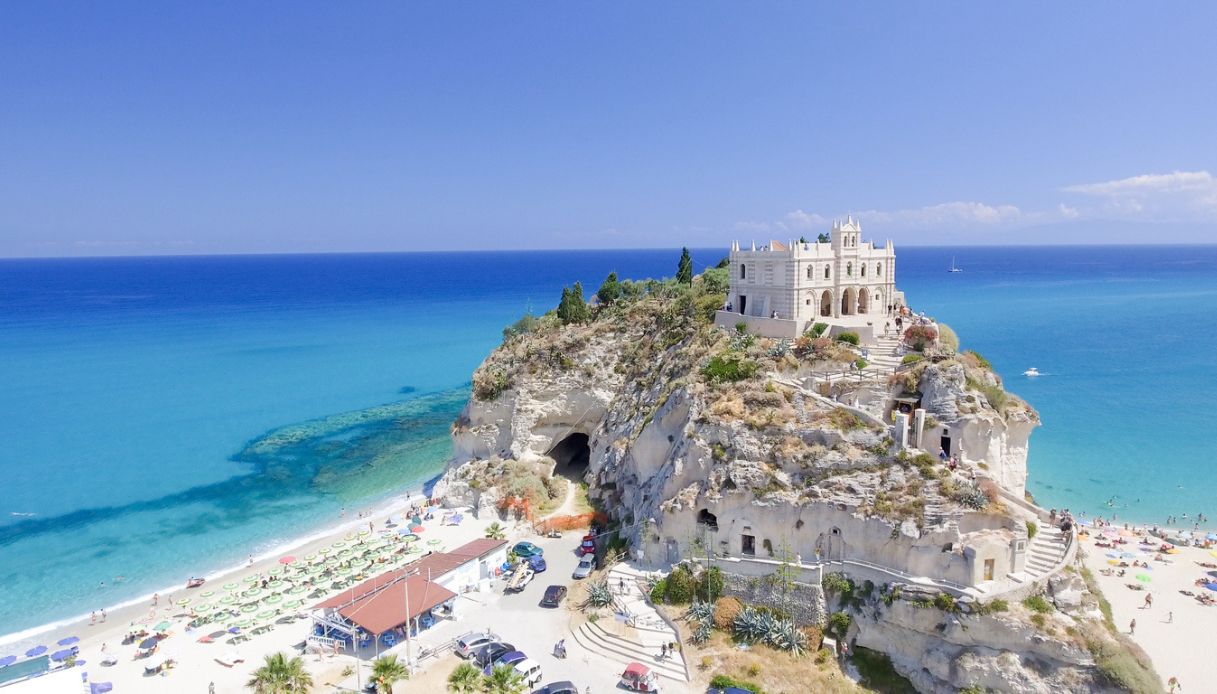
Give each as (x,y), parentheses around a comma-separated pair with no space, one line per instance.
(197,666)
(1177,645)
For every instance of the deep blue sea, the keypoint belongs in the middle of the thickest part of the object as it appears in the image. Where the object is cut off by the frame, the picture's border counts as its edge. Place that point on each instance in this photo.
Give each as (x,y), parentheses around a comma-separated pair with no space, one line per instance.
(167,417)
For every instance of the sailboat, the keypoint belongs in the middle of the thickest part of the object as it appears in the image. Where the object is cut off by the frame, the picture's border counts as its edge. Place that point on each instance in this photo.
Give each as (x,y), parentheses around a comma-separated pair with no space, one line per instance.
(953,268)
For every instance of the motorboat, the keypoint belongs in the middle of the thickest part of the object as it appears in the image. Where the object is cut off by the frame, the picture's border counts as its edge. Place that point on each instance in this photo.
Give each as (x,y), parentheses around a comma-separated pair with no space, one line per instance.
(1032,372)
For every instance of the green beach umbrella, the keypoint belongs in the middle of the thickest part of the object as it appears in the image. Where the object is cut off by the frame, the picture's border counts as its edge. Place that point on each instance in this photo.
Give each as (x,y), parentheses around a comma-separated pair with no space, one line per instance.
(324,550)
(296,590)
(349,536)
(252,592)
(339,544)
(365,532)
(231,586)
(274,585)
(276,598)
(228,599)
(311,556)
(275,570)
(244,623)
(267,614)
(293,604)
(1144,578)
(184,601)
(251,579)
(163,626)
(207,594)
(246,609)
(344,552)
(203,607)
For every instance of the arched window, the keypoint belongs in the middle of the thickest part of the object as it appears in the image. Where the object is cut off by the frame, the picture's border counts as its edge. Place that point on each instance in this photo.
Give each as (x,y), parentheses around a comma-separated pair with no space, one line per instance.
(743,271)
(878,269)
(849,269)
(810,273)
(863,268)
(826,270)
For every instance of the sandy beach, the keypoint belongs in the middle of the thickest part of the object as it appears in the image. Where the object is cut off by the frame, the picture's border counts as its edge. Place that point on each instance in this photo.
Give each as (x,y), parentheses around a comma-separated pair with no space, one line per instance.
(196,666)
(1176,626)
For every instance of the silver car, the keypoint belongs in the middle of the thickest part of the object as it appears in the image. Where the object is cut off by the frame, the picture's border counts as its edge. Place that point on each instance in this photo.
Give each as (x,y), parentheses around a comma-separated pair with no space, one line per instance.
(468,644)
(586,565)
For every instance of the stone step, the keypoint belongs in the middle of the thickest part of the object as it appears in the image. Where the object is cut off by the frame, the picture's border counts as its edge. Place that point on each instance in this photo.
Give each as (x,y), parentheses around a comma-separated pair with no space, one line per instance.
(613,648)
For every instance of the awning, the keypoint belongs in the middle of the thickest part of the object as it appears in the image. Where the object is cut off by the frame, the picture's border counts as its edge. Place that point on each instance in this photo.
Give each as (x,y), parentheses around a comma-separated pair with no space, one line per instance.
(387,609)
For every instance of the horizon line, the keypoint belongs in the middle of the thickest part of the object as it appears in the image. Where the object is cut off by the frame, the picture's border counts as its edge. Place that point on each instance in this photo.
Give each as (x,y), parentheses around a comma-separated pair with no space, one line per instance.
(726,249)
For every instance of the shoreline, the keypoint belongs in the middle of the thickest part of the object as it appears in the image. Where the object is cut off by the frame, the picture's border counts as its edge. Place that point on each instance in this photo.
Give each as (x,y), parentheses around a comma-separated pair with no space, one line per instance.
(23,639)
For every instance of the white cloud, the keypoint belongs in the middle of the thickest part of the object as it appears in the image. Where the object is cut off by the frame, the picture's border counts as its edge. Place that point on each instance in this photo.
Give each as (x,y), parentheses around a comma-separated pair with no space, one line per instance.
(951,214)
(1177,196)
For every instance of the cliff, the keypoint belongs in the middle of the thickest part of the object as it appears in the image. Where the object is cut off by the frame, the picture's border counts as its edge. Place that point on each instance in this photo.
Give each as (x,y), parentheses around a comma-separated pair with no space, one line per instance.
(695,438)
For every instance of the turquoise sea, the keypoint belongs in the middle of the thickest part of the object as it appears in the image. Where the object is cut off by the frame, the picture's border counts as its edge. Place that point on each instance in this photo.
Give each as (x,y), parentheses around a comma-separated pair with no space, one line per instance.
(167,417)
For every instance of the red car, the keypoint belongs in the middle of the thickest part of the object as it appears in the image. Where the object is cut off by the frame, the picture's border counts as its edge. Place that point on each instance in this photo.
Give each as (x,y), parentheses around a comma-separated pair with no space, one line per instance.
(589,544)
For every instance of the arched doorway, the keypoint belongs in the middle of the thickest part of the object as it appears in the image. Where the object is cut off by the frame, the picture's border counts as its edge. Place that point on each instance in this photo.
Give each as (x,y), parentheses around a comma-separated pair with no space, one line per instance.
(847,302)
(863,300)
(826,303)
(572,455)
(704,517)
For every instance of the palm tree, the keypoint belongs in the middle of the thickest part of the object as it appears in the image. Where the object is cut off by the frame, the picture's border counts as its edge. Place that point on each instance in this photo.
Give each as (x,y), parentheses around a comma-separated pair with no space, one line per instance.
(464,679)
(386,670)
(281,675)
(503,679)
(495,531)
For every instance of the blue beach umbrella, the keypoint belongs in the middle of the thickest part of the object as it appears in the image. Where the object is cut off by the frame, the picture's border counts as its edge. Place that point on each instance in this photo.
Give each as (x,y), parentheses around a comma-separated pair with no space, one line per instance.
(148,642)
(36,650)
(63,655)
(8,660)
(1210,585)
(100,687)
(69,641)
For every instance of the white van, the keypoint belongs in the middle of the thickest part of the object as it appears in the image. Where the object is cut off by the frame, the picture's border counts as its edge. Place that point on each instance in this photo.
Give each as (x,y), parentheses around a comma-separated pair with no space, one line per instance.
(530,671)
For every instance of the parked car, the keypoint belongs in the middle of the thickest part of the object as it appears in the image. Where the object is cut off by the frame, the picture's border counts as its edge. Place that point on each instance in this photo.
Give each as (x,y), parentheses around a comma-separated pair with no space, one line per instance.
(529,671)
(508,658)
(537,563)
(565,687)
(469,644)
(521,577)
(588,546)
(527,549)
(586,565)
(487,654)
(553,596)
(639,678)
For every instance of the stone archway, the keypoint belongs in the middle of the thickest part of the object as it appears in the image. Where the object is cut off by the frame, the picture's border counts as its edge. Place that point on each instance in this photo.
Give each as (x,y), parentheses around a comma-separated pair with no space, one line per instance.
(826,303)
(863,301)
(847,302)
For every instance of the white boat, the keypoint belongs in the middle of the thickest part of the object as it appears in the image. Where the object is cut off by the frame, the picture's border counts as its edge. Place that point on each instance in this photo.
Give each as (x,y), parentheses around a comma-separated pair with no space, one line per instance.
(953,268)
(1032,372)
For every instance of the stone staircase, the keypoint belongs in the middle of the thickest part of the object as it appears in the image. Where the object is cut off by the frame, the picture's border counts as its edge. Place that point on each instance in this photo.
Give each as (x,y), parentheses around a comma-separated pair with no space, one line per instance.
(1046,550)
(636,632)
(884,356)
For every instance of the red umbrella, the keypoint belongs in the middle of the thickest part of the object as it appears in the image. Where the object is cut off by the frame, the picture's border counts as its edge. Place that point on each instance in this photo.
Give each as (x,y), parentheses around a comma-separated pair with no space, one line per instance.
(287,560)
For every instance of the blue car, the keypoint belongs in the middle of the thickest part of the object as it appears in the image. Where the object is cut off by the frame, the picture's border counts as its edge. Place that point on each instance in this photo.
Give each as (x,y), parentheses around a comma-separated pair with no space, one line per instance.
(510,658)
(526,549)
(537,563)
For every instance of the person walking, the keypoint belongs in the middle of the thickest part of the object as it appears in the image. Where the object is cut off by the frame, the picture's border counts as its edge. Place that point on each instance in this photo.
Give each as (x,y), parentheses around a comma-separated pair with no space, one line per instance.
(1132,627)
(1170,617)
(1149,601)
(1173,683)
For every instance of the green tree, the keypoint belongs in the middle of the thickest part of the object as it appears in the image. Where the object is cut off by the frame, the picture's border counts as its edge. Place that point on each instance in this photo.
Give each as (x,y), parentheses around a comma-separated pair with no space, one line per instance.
(281,675)
(684,270)
(610,290)
(465,679)
(724,264)
(573,307)
(503,679)
(496,531)
(823,238)
(386,670)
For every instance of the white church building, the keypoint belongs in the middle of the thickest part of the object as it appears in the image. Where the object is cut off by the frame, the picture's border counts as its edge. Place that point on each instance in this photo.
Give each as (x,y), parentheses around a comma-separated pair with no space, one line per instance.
(782,289)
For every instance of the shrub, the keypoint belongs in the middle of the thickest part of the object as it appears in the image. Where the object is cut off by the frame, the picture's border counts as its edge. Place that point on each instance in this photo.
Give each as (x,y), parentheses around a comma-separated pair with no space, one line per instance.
(680,586)
(850,337)
(753,670)
(984,608)
(725,682)
(839,623)
(741,328)
(947,337)
(710,584)
(1032,529)
(980,361)
(970,495)
(489,385)
(837,583)
(919,337)
(726,609)
(729,368)
(912,358)
(945,602)
(818,329)
(1038,603)
(659,591)
(860,363)
(1038,620)
(815,637)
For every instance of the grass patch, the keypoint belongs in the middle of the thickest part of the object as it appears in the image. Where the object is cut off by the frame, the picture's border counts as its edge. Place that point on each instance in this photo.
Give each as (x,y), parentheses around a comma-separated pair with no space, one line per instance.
(1038,603)
(730,368)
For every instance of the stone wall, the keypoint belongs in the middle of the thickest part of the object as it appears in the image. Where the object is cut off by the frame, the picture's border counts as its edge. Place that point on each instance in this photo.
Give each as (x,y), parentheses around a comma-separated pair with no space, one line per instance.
(802,601)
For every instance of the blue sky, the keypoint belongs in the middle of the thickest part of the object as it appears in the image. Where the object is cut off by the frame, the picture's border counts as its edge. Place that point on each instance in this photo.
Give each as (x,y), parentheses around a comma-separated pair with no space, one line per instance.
(135,127)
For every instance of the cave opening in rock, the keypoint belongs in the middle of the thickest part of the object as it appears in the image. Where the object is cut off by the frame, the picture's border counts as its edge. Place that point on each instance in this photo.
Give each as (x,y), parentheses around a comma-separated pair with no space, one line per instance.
(572,455)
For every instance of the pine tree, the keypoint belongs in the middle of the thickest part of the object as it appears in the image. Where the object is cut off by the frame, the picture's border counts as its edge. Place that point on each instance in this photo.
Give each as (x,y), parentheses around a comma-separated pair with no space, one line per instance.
(610,291)
(573,308)
(684,271)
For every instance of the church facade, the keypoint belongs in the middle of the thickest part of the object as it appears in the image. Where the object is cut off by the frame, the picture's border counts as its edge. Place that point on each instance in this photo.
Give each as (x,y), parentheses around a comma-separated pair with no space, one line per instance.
(782,289)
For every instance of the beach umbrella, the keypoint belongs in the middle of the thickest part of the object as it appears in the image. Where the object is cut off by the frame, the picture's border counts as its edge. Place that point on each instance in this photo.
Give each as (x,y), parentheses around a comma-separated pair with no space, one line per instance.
(267,614)
(339,545)
(231,586)
(1113,562)
(349,536)
(275,570)
(296,590)
(163,626)
(289,559)
(416,528)
(252,592)
(100,687)
(63,655)
(274,585)
(324,550)
(1112,555)
(183,602)
(1211,585)
(148,642)
(293,604)
(1127,555)
(274,599)
(1144,578)
(35,651)
(250,579)
(246,609)
(310,556)
(69,641)
(228,599)
(207,594)
(434,541)
(344,552)
(8,660)
(204,607)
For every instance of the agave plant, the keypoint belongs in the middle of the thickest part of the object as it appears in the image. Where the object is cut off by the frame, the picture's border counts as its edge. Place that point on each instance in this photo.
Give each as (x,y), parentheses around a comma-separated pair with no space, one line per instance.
(784,635)
(702,633)
(599,594)
(780,349)
(700,612)
(750,625)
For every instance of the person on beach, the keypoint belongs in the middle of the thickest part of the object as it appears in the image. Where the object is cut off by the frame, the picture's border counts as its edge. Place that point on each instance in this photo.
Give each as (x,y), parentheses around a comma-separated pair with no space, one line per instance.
(93,619)
(156,597)
(1173,683)
(103,615)
(1170,617)
(1149,601)
(1132,627)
